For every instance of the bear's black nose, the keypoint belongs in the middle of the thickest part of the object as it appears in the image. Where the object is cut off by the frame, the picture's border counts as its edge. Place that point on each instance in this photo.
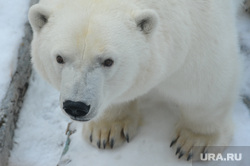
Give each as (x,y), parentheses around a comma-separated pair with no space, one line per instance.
(76,109)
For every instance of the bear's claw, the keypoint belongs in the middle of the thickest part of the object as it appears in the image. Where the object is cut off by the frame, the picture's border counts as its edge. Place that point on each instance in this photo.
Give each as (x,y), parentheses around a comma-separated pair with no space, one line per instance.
(190,156)
(91,138)
(173,142)
(99,144)
(112,143)
(181,154)
(104,144)
(127,138)
(178,150)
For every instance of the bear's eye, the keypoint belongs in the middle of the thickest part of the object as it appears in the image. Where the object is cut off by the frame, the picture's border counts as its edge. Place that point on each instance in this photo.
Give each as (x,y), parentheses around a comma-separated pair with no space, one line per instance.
(108,63)
(59,59)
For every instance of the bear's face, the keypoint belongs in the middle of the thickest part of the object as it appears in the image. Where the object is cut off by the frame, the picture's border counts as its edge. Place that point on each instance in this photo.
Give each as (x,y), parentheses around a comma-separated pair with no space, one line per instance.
(94,60)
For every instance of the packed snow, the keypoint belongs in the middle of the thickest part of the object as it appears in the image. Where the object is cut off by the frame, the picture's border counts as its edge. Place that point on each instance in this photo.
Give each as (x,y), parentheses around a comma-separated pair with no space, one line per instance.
(40,134)
(13,15)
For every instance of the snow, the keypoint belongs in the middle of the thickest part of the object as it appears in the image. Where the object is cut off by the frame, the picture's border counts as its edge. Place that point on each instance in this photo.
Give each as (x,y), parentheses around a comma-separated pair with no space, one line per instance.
(13,15)
(39,136)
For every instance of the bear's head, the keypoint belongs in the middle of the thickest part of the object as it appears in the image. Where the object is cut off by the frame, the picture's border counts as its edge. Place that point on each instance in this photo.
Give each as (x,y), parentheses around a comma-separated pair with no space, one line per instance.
(96,55)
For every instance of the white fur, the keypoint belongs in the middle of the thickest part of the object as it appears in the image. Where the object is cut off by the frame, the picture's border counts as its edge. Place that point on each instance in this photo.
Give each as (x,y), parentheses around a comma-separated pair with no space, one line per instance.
(187,50)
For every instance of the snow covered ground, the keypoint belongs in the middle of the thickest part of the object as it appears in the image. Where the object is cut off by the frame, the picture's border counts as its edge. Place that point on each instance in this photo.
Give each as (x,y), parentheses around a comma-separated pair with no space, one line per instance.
(39,136)
(13,15)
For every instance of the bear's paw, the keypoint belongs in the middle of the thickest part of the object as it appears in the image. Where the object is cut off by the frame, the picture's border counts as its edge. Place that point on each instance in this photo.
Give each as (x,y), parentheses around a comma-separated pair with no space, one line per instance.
(189,145)
(109,134)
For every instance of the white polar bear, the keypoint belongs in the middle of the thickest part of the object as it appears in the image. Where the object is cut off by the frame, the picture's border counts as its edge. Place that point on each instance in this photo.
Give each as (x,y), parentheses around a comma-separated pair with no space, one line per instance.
(104,54)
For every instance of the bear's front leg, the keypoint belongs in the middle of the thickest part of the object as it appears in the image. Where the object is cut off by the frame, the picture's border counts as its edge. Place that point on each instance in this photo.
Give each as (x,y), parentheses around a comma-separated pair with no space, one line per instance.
(117,125)
(199,131)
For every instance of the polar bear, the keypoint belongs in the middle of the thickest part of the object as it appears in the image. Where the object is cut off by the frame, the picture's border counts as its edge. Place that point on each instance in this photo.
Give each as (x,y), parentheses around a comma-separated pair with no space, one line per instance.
(103,55)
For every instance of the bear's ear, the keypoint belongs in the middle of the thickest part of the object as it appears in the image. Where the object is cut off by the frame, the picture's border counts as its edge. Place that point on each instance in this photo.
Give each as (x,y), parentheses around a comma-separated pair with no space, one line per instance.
(38,17)
(146,21)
